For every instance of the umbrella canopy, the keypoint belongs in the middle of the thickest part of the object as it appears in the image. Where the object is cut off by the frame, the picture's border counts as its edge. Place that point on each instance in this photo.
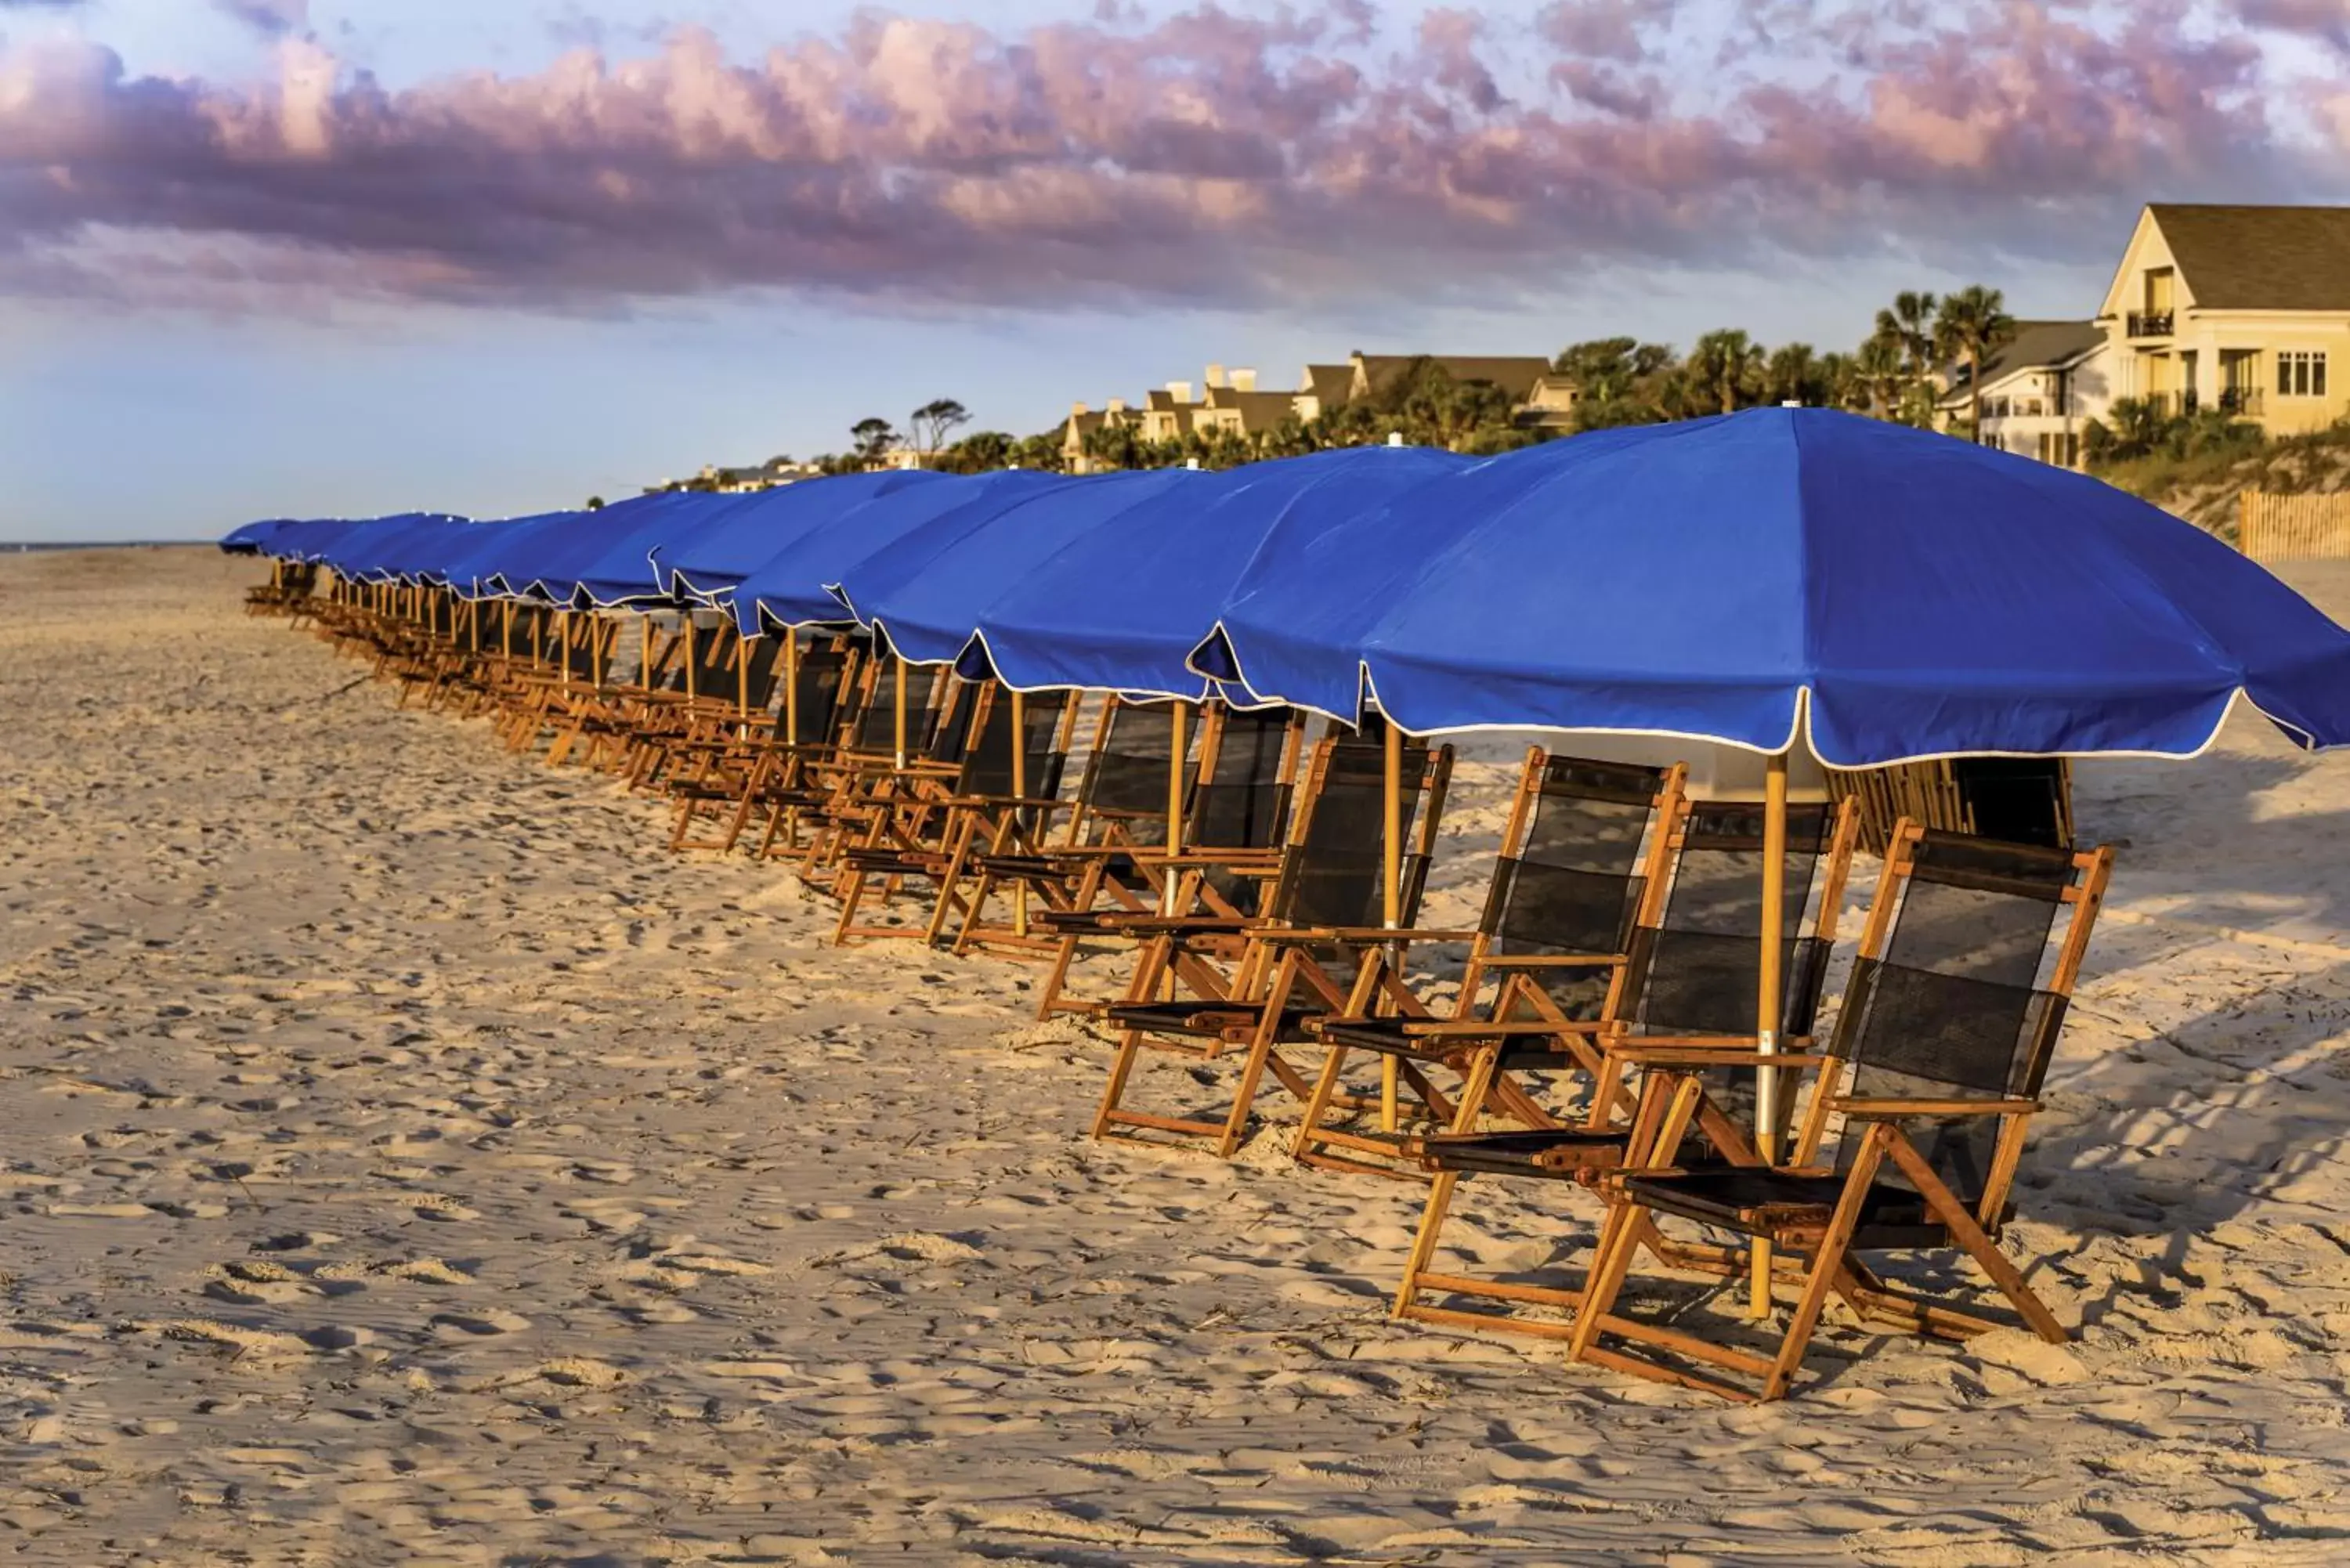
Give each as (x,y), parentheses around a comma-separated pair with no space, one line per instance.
(612,546)
(346,543)
(708,562)
(613,567)
(253,538)
(792,588)
(504,555)
(1120,608)
(1757,579)
(399,549)
(925,593)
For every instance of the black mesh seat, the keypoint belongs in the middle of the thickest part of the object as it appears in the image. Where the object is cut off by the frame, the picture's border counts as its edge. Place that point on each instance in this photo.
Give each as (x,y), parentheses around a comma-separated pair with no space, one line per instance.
(1756,1201)
(1559,1154)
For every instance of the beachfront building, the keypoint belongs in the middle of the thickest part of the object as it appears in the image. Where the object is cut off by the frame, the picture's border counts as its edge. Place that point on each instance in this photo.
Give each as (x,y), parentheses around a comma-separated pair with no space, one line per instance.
(2245,310)
(2039,391)
(1542,397)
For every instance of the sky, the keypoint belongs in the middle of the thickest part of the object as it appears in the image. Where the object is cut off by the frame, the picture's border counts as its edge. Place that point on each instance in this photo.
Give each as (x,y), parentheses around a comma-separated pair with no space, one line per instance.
(345,258)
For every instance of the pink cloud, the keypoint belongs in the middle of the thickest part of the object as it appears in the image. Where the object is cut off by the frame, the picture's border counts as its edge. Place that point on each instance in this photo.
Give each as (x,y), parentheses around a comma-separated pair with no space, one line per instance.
(1202,156)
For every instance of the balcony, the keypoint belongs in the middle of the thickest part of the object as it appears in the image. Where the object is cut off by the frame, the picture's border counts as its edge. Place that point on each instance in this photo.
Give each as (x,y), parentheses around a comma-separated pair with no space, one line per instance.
(2244,400)
(2149,323)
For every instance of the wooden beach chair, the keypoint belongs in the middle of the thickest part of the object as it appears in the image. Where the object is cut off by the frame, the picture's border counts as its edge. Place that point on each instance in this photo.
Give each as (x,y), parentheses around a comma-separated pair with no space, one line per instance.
(1119,808)
(932,839)
(730,777)
(1680,1020)
(1236,817)
(1939,1048)
(1328,883)
(1583,854)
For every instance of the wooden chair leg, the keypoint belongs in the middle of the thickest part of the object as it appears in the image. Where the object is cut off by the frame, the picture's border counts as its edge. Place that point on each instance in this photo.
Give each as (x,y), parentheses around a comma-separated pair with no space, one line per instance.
(1423,1241)
(1945,1206)
(1827,1262)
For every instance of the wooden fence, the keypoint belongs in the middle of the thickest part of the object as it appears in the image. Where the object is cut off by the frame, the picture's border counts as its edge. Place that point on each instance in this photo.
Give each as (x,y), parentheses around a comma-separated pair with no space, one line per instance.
(2293,527)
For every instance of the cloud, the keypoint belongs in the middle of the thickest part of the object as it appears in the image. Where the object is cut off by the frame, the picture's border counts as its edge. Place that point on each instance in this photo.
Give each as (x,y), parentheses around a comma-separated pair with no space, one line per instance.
(2325,19)
(1301,156)
(275,17)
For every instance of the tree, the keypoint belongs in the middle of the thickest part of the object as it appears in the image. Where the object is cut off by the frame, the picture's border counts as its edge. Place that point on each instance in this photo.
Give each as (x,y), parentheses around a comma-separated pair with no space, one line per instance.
(1910,325)
(981,452)
(874,438)
(1971,326)
(594,503)
(1794,374)
(1881,371)
(932,422)
(1724,371)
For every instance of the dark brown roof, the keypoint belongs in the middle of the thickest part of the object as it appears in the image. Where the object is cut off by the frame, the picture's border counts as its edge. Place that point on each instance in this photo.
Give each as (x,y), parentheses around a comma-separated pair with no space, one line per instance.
(2261,258)
(2040,344)
(1332,384)
(1513,374)
(1258,410)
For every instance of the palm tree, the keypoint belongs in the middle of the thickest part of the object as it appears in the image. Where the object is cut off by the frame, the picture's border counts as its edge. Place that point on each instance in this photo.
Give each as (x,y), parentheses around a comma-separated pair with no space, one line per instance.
(1881,367)
(1793,376)
(1725,367)
(1910,323)
(1971,325)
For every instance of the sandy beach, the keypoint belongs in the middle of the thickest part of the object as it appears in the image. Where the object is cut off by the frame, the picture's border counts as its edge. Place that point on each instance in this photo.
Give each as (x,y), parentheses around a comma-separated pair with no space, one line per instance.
(406,1160)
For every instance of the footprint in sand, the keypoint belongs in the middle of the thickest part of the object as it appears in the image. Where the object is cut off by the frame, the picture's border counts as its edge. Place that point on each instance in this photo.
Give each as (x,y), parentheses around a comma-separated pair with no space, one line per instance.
(477,1325)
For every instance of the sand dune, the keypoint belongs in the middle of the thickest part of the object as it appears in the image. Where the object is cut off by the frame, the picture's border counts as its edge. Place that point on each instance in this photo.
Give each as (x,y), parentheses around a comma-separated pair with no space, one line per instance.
(405,1160)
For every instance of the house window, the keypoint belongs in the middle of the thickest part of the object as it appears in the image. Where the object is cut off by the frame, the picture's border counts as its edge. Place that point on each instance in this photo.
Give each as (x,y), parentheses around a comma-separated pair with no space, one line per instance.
(2301,373)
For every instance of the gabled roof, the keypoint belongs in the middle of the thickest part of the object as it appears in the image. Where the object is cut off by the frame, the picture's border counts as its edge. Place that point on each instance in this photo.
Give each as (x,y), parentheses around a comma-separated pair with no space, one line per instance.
(2036,346)
(2260,258)
(1513,374)
(1331,385)
(1258,410)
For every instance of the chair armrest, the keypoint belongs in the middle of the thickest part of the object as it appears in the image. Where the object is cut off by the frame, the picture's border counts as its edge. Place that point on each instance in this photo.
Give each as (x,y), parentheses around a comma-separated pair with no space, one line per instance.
(1555,961)
(1712,1056)
(1176,925)
(1876,1110)
(1375,934)
(1474,1028)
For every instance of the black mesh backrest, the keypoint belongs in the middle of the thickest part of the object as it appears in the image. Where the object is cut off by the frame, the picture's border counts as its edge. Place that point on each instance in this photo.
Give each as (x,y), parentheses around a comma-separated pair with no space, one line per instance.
(529,626)
(1952,1008)
(1125,777)
(1335,873)
(2018,799)
(1242,804)
(950,737)
(579,644)
(877,727)
(987,766)
(1699,969)
(818,673)
(678,655)
(714,672)
(764,654)
(1574,885)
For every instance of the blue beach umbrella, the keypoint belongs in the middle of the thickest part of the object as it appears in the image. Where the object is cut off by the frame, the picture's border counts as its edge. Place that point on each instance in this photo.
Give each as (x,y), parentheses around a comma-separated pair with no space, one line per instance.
(924,594)
(253,538)
(612,568)
(1120,608)
(708,563)
(1786,577)
(792,587)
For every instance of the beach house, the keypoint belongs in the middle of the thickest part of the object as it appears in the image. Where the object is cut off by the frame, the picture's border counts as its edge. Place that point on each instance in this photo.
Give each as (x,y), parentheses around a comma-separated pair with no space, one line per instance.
(2040,390)
(2242,308)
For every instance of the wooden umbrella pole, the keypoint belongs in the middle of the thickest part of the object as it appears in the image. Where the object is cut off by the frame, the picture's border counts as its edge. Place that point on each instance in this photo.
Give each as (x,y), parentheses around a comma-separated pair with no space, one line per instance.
(1768,1003)
(743,686)
(563,640)
(901,713)
(645,649)
(791,687)
(1019,792)
(596,650)
(1391,901)
(1183,712)
(692,656)
(505,629)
